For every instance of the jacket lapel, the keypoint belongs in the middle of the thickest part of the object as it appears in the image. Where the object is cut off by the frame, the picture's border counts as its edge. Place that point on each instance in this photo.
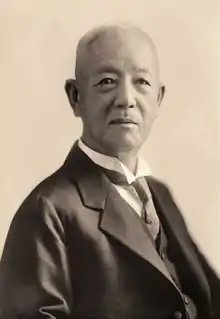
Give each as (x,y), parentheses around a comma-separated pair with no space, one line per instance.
(174,224)
(87,177)
(117,218)
(120,221)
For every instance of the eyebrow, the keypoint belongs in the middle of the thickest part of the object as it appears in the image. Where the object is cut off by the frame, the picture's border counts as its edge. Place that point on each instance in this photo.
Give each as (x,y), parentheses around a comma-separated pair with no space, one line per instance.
(142,70)
(112,69)
(107,69)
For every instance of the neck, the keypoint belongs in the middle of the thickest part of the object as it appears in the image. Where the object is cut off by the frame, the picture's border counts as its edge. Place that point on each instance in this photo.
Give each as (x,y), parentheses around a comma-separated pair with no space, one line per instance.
(129,160)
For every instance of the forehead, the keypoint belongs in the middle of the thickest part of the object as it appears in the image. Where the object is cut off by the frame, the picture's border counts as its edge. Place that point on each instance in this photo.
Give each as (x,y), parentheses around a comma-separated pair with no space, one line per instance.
(120,50)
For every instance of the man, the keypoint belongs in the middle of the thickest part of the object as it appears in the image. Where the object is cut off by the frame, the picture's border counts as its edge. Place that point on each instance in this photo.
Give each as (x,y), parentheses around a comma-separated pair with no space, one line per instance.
(96,240)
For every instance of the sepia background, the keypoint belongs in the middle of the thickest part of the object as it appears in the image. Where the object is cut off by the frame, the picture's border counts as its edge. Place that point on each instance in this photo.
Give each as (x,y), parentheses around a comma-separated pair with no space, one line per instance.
(37,127)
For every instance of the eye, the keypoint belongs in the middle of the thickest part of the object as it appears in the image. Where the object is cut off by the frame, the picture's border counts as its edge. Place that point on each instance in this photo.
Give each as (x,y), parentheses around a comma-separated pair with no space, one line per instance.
(143,82)
(106,82)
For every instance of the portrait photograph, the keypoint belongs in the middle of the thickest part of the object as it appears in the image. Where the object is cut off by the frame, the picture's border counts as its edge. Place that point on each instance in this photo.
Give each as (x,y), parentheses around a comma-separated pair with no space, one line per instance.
(109,175)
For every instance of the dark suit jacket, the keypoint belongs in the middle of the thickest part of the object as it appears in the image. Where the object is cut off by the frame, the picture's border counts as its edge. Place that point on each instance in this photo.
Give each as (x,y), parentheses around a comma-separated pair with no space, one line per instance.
(75,249)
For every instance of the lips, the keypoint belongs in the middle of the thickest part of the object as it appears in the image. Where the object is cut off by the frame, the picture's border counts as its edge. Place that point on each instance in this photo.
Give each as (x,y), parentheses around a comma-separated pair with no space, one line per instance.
(122,121)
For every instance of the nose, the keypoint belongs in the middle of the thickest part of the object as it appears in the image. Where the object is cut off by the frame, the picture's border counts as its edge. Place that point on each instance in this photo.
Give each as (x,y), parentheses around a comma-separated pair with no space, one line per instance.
(125,96)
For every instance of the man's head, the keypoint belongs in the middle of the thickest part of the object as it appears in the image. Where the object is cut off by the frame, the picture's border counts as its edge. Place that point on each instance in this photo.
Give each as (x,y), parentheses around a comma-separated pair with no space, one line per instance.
(117,89)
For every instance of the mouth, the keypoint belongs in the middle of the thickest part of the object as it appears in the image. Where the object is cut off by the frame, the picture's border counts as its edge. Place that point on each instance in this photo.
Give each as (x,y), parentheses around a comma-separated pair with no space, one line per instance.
(122,121)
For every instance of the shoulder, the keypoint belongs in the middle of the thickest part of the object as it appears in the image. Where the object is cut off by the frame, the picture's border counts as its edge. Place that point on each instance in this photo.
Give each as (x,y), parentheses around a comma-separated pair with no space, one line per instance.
(162,189)
(164,195)
(55,197)
(159,185)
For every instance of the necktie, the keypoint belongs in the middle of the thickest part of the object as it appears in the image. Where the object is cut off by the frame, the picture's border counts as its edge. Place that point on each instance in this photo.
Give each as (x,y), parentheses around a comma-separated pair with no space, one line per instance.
(148,211)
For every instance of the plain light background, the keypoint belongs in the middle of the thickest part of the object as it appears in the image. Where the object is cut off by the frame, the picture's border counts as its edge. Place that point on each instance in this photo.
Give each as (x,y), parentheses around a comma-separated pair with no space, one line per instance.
(37,129)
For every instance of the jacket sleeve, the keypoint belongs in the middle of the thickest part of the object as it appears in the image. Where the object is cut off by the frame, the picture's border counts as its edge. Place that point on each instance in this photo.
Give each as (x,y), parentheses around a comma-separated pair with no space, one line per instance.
(34,275)
(213,279)
(214,283)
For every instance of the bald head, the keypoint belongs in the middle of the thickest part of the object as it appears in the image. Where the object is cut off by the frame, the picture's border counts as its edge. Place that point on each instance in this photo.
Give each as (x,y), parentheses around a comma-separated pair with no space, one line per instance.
(112,35)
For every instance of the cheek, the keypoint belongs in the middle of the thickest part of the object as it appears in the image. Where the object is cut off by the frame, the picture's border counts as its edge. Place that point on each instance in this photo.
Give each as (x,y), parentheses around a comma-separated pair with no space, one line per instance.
(148,107)
(92,114)
(149,111)
(98,105)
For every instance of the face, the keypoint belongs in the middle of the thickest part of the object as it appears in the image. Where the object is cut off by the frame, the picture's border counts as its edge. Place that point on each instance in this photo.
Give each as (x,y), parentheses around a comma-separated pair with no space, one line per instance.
(118,93)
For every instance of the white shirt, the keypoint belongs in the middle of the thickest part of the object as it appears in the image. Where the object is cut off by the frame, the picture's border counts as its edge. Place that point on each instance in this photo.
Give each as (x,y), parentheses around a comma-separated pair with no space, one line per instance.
(115,164)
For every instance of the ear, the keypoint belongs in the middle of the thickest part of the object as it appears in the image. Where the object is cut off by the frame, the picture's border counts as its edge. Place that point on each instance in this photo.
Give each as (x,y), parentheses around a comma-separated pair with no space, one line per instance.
(161,93)
(73,95)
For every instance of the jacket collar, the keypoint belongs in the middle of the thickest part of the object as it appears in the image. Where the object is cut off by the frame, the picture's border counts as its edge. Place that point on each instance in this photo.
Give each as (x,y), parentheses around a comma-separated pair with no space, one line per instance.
(91,182)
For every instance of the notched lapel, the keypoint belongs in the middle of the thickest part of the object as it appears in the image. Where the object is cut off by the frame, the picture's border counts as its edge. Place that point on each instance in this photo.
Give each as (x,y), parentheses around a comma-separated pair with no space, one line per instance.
(91,183)
(121,222)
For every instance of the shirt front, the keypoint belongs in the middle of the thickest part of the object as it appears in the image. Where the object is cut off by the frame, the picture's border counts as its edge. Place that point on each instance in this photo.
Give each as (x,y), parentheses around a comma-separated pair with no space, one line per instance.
(113,163)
